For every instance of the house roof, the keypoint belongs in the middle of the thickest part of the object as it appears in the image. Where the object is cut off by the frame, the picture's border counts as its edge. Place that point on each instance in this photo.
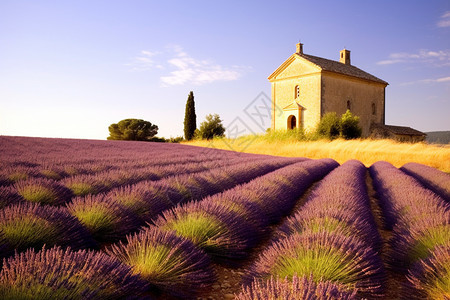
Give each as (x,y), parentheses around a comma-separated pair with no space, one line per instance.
(293,105)
(338,67)
(330,66)
(403,130)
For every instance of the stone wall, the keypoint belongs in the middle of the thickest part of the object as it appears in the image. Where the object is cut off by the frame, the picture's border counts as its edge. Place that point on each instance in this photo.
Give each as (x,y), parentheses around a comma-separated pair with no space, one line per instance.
(338,89)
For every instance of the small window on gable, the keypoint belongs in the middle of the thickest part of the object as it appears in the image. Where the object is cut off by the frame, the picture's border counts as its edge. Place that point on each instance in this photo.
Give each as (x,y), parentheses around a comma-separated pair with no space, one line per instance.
(374,109)
(297,92)
(349,105)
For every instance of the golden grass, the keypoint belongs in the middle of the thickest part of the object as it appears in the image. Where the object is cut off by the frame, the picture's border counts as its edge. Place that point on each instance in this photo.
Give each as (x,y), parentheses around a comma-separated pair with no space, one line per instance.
(366,151)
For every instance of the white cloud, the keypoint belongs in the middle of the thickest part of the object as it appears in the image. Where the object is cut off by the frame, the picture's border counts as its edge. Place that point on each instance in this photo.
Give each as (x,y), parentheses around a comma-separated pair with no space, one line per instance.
(444,20)
(144,61)
(198,72)
(427,81)
(185,69)
(437,58)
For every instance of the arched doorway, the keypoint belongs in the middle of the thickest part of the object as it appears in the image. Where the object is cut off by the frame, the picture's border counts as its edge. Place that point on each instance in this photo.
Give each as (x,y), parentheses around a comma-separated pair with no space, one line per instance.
(291,122)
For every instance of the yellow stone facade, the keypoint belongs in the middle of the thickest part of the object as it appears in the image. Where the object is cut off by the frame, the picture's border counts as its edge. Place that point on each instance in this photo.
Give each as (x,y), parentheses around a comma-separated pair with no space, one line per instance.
(305,87)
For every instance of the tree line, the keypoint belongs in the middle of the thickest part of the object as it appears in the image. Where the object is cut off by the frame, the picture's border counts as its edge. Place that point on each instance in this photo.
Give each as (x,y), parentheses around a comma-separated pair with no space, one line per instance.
(141,130)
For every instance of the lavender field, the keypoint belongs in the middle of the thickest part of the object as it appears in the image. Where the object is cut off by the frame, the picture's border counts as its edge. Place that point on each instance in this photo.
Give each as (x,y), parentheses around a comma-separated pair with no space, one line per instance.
(83,219)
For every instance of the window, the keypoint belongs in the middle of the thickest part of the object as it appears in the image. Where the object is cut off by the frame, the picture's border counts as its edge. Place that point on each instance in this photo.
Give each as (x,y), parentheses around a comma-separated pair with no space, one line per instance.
(349,105)
(374,109)
(297,92)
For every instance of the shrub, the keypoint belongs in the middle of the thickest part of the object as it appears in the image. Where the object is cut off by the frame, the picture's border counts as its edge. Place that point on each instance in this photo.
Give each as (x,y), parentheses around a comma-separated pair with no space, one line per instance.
(168,262)
(349,126)
(28,225)
(329,126)
(211,127)
(64,274)
(299,288)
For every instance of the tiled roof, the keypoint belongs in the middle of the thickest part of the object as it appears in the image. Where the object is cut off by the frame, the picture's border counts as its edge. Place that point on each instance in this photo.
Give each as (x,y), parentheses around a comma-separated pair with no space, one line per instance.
(400,130)
(338,67)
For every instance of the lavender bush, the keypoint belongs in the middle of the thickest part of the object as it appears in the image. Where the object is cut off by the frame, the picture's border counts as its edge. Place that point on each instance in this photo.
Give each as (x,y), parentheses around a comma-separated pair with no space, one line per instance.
(45,191)
(167,262)
(326,256)
(209,225)
(64,274)
(104,219)
(26,225)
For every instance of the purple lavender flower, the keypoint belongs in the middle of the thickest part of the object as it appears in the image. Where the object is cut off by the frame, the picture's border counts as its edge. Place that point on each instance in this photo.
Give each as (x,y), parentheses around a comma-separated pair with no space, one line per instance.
(326,256)
(437,181)
(45,191)
(9,196)
(430,278)
(298,288)
(26,225)
(211,226)
(168,262)
(64,274)
(103,218)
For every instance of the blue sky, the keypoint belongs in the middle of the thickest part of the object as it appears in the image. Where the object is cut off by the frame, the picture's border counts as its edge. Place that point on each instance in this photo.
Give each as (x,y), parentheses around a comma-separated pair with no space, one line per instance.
(71,68)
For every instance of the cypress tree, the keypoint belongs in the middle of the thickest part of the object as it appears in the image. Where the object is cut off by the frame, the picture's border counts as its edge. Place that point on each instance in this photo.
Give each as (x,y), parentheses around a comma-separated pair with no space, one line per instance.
(190,119)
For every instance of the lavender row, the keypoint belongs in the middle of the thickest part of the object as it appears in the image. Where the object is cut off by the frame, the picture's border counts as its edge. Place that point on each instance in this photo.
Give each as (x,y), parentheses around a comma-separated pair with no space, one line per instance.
(24,158)
(113,169)
(49,191)
(421,225)
(331,238)
(108,217)
(223,227)
(434,179)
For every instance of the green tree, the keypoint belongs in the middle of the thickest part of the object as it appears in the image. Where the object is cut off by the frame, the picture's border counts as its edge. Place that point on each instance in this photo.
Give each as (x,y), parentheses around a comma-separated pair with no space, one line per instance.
(350,128)
(329,126)
(190,119)
(132,130)
(211,127)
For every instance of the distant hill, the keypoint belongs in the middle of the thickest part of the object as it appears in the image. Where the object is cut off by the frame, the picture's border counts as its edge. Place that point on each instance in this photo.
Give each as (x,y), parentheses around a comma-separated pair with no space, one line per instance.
(438,137)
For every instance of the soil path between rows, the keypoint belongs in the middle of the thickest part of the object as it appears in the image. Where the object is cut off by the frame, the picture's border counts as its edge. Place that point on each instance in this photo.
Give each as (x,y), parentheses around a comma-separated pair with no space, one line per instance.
(394,280)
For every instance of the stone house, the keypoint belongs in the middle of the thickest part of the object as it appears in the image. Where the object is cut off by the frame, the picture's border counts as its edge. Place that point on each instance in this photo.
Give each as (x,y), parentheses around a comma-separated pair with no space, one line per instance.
(306,87)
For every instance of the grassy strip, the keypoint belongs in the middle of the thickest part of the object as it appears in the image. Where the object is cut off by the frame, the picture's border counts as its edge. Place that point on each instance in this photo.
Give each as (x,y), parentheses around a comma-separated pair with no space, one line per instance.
(367,151)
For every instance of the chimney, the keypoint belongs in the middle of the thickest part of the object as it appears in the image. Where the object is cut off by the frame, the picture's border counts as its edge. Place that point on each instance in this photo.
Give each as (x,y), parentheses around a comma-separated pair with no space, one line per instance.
(344,56)
(299,48)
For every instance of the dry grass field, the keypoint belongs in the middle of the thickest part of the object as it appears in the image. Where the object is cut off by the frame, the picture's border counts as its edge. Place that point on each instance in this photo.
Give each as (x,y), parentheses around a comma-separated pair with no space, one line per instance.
(366,151)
